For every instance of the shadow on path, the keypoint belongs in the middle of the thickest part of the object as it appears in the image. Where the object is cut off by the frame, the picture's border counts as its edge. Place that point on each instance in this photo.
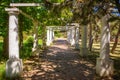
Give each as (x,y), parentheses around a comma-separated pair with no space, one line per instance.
(59,62)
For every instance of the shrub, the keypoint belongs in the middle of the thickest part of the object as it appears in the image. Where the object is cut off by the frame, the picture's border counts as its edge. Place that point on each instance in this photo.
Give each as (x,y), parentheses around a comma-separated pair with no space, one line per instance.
(26,51)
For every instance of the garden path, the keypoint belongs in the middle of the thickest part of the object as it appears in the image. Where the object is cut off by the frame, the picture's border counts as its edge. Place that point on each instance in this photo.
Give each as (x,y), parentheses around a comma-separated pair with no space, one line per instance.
(59,62)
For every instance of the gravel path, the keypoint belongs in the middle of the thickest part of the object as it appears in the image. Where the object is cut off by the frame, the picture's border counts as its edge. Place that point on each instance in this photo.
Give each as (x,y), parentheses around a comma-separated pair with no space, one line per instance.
(59,62)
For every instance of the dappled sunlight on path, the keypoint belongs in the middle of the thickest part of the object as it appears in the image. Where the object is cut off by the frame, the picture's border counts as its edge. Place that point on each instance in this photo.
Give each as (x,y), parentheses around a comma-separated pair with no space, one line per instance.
(59,62)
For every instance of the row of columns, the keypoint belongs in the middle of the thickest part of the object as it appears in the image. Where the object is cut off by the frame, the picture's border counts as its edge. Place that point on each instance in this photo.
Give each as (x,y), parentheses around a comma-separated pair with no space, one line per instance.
(14,65)
(104,65)
(73,35)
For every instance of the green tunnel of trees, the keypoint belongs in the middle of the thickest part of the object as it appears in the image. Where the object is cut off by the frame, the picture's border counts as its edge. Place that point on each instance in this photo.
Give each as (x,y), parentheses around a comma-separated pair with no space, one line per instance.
(84,12)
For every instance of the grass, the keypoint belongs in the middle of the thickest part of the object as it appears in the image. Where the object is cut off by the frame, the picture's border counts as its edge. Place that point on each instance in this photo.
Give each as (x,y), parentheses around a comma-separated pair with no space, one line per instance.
(40,42)
(1,50)
(2,71)
(2,62)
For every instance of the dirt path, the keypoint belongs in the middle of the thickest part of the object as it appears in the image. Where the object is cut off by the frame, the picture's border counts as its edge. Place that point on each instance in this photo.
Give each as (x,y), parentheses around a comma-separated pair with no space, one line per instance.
(59,62)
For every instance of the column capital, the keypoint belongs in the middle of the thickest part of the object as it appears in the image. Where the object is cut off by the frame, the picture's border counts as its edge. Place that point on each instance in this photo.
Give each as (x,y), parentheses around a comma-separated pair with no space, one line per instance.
(12,10)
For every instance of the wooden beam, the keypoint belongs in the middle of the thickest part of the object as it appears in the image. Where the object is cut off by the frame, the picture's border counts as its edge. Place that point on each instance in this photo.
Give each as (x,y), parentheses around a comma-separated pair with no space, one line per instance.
(29,4)
(25,4)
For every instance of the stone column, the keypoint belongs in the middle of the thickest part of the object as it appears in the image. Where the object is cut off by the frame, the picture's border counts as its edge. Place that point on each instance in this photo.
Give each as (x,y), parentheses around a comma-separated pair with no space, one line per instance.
(104,65)
(68,35)
(77,33)
(72,36)
(51,35)
(14,64)
(48,37)
(84,49)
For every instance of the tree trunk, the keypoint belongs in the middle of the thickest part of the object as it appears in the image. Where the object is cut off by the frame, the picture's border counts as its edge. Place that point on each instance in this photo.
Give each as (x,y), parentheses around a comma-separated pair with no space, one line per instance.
(20,32)
(5,42)
(35,36)
(116,41)
(104,65)
(44,37)
(5,46)
(90,38)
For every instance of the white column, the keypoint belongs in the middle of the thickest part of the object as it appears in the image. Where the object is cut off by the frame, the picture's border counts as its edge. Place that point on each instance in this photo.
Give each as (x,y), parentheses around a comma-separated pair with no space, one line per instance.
(68,35)
(53,35)
(84,50)
(104,65)
(48,37)
(77,38)
(14,64)
(72,36)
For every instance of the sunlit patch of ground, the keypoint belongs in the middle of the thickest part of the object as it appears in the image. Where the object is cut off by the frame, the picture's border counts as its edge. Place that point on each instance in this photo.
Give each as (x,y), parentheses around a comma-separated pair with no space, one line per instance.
(61,62)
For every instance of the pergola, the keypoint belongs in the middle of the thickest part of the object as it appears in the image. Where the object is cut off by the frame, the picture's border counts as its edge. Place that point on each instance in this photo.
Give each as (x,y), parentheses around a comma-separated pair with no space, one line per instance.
(14,64)
(72,30)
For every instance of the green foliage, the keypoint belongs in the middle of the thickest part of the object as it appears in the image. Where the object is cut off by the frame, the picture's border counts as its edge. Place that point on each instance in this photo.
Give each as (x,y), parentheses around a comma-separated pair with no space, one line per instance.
(3,18)
(1,50)
(26,51)
(40,42)
(29,40)
(2,71)
(1,44)
(56,1)
(60,34)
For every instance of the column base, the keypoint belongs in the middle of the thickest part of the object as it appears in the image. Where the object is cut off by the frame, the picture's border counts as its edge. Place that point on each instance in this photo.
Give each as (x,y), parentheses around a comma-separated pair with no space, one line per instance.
(77,46)
(48,43)
(84,52)
(68,41)
(14,67)
(104,68)
(34,49)
(72,43)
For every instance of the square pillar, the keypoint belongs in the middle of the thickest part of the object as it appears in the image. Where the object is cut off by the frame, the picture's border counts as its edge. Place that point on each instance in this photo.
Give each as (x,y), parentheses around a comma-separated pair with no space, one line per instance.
(14,64)
(77,33)
(72,36)
(53,35)
(84,49)
(48,37)
(68,35)
(104,65)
